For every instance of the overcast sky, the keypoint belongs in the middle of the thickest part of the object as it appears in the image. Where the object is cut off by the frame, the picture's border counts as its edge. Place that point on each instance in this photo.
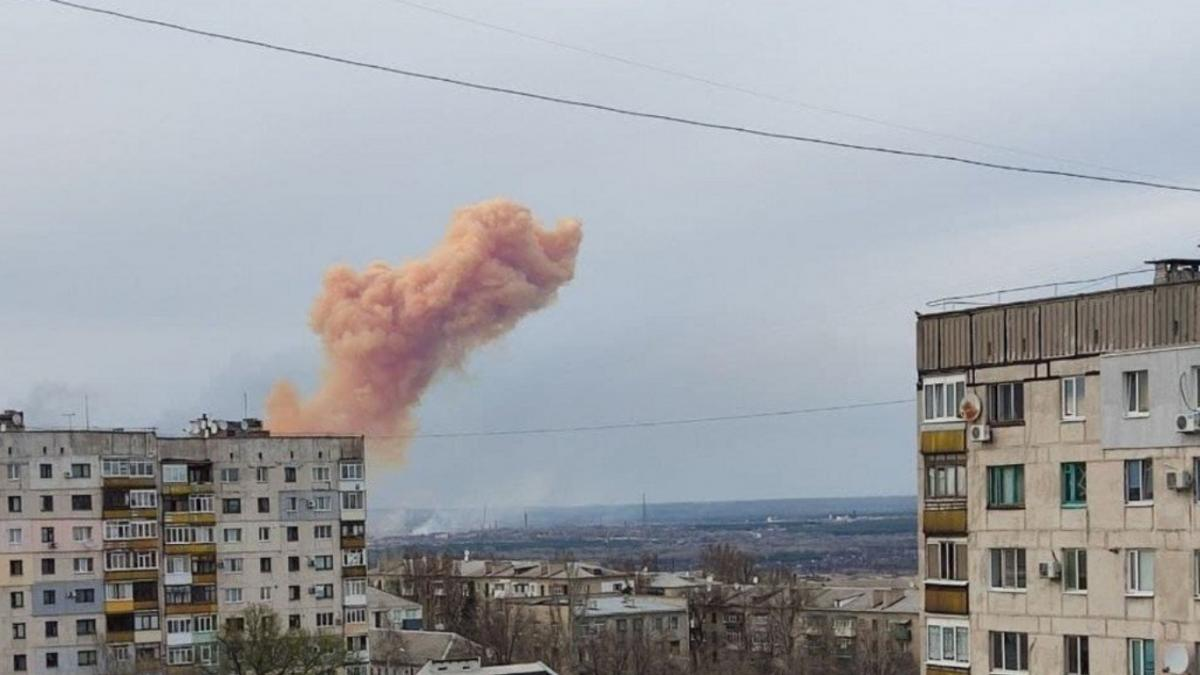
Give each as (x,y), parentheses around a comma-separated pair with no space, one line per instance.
(168,204)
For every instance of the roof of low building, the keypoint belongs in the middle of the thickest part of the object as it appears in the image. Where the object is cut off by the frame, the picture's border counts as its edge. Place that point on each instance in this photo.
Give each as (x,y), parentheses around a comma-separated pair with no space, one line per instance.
(418,647)
(629,604)
(380,600)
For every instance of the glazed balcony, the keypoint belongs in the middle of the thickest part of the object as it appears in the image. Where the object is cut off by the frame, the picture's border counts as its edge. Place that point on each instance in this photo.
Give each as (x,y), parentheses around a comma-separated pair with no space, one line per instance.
(947,599)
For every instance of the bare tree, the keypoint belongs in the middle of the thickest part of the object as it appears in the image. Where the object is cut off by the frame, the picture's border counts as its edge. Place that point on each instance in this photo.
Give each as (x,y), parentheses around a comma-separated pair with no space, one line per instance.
(256,646)
(880,653)
(728,563)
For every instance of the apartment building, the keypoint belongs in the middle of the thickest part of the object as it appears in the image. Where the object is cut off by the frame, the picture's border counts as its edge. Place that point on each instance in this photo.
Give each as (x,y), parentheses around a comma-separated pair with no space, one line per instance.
(1057,452)
(127,549)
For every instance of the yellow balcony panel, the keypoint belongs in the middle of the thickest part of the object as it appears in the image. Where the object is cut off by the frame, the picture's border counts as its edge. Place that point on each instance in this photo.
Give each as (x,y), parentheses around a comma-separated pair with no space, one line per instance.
(943,670)
(192,608)
(140,483)
(943,441)
(144,605)
(145,636)
(114,636)
(132,544)
(115,514)
(201,579)
(196,548)
(131,575)
(356,629)
(945,521)
(356,571)
(354,542)
(190,518)
(177,489)
(947,600)
(118,606)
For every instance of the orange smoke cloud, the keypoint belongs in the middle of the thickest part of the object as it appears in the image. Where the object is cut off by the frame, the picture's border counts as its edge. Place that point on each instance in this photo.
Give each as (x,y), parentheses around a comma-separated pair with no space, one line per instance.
(388,331)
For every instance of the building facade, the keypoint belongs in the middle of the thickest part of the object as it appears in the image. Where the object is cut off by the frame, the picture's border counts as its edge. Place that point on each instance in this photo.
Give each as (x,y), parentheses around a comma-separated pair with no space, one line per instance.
(127,550)
(1057,456)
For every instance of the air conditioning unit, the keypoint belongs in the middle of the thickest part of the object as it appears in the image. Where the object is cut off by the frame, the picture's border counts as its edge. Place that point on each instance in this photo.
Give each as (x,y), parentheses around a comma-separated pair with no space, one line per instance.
(71,595)
(221,565)
(312,590)
(312,563)
(980,433)
(52,545)
(1050,570)
(1179,480)
(68,474)
(1187,423)
(309,503)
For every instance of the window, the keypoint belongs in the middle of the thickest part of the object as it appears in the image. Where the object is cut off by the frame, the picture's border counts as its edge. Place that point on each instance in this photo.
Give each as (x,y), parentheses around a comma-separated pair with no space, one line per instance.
(87,657)
(1008,569)
(292,503)
(264,565)
(206,653)
(45,470)
(946,561)
(289,474)
(1006,402)
(293,592)
(174,473)
(81,471)
(323,591)
(178,564)
(51,629)
(262,474)
(232,534)
(16,599)
(234,564)
(293,563)
(233,594)
(179,656)
(47,503)
(264,534)
(324,619)
(359,615)
(120,468)
(49,597)
(1074,484)
(48,566)
(1137,393)
(19,663)
(1139,481)
(200,503)
(231,506)
(115,530)
(942,397)
(47,535)
(84,596)
(321,473)
(294,621)
(352,500)
(85,626)
(143,499)
(81,533)
(323,503)
(145,621)
(945,477)
(51,659)
(354,587)
(14,504)
(15,535)
(204,624)
(14,472)
(130,560)
(1141,657)
(1072,398)
(1139,572)
(322,531)
(293,533)
(18,631)
(948,643)
(81,502)
(264,593)
(1196,573)
(264,504)
(230,475)
(83,565)
(16,568)
(1006,486)
(354,470)
(1075,570)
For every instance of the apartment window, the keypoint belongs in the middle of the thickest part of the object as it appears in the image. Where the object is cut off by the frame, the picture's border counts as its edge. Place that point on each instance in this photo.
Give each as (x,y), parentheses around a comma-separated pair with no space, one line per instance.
(48,566)
(294,621)
(1006,402)
(1074,484)
(289,474)
(81,471)
(179,656)
(174,473)
(1075,570)
(1006,486)
(945,477)
(87,657)
(355,586)
(1139,572)
(81,502)
(232,534)
(233,594)
(322,531)
(1072,398)
(1139,481)
(1137,393)
(47,503)
(81,533)
(942,398)
(51,659)
(14,472)
(1076,651)
(234,564)
(205,624)
(948,643)
(262,474)
(359,615)
(47,535)
(16,599)
(143,499)
(145,621)
(293,563)
(49,597)
(293,533)
(946,560)
(1141,657)
(264,565)
(323,591)
(322,563)
(264,534)
(51,629)
(264,593)
(231,506)
(85,596)
(1008,569)
(292,503)
(324,619)
(85,626)
(45,470)
(354,470)
(322,503)
(14,504)
(230,475)
(200,503)
(320,473)
(83,565)
(352,500)
(264,504)
(19,663)
(293,593)
(16,568)
(18,631)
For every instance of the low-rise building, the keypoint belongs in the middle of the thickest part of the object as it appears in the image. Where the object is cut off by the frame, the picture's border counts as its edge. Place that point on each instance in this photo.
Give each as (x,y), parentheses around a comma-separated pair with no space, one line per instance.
(475,667)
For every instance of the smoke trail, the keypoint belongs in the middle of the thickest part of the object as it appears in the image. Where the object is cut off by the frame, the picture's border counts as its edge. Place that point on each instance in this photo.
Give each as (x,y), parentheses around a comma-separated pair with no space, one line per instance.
(388,331)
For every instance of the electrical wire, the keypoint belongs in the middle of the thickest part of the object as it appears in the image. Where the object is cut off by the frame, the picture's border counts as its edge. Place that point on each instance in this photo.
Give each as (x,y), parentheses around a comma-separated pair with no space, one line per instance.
(623,111)
(759,94)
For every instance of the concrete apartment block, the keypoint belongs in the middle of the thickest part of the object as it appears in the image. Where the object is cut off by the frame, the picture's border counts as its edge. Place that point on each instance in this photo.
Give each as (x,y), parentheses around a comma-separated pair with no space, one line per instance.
(127,549)
(1057,453)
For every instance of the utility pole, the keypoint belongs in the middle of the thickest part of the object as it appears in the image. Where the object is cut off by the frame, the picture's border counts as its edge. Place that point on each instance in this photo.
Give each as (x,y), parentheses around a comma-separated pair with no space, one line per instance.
(643,510)
(87,417)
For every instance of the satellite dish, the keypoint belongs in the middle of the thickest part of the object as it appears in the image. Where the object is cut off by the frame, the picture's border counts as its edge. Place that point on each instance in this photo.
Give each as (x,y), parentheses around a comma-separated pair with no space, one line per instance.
(1176,659)
(17,418)
(970,408)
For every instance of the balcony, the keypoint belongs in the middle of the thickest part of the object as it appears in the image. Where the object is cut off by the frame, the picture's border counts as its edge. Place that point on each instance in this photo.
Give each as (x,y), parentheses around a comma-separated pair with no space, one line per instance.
(946,441)
(354,571)
(132,544)
(118,636)
(354,541)
(131,575)
(205,607)
(126,482)
(943,670)
(191,548)
(946,599)
(189,518)
(945,520)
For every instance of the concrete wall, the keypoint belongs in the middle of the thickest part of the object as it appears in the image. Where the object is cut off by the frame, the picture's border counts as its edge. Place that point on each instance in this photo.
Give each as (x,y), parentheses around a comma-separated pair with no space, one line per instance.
(1157,429)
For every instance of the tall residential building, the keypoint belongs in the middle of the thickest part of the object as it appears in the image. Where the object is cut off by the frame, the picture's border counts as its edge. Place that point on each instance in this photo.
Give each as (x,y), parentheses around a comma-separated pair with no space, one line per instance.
(1057,452)
(127,549)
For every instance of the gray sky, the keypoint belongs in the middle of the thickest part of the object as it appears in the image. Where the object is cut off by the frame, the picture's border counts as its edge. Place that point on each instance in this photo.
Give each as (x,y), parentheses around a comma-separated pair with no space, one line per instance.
(168,205)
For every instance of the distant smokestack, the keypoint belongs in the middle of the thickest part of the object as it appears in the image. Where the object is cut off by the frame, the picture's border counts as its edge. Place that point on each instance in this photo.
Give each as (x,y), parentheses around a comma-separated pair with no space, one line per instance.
(388,331)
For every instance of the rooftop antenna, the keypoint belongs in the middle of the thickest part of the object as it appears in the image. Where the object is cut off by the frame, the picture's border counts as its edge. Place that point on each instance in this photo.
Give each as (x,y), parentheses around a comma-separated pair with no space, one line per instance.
(87,417)
(70,420)
(245,405)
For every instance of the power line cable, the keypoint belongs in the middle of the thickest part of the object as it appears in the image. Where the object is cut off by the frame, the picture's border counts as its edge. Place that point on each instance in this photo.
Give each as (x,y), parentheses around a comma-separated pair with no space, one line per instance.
(624,111)
(756,93)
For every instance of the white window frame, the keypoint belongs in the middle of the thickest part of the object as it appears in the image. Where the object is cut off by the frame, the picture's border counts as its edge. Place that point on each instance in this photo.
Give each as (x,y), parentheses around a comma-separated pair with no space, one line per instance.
(322,532)
(356,615)
(1144,486)
(1139,572)
(1139,645)
(1135,386)
(1196,574)
(14,472)
(1012,565)
(1022,655)
(959,631)
(353,501)
(356,586)
(951,554)
(352,471)
(231,474)
(322,503)
(940,398)
(232,595)
(1078,556)
(1073,392)
(321,473)
(180,656)
(174,473)
(143,499)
